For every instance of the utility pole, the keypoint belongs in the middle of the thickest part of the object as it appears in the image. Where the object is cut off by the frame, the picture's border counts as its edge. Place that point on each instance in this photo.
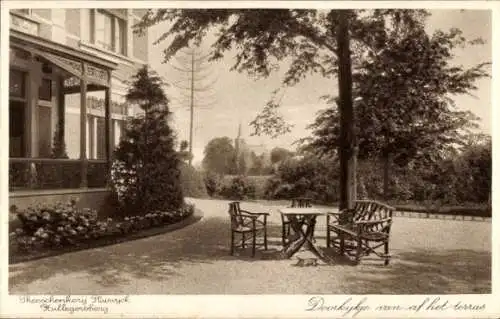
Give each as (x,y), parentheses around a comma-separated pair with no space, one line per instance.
(237,149)
(192,113)
(347,132)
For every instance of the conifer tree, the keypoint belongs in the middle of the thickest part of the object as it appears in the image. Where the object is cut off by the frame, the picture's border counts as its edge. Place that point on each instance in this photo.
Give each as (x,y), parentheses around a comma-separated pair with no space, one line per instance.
(146,170)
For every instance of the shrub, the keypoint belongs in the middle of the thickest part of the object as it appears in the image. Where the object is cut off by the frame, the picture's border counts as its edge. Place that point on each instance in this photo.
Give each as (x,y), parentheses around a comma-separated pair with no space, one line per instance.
(309,176)
(456,180)
(213,184)
(57,225)
(157,218)
(239,188)
(258,181)
(193,184)
(63,224)
(111,207)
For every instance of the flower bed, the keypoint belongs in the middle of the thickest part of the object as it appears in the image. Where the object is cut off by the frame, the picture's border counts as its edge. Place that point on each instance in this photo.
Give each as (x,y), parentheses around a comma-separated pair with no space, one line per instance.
(63,225)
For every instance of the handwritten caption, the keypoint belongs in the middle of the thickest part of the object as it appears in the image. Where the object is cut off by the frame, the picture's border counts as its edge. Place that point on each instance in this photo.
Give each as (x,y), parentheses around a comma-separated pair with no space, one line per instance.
(73,304)
(352,307)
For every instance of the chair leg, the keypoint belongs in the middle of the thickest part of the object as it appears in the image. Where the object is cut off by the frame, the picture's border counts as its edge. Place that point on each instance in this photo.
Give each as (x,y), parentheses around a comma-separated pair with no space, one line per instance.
(386,252)
(265,238)
(232,243)
(342,244)
(327,237)
(367,250)
(254,239)
(313,226)
(243,240)
(283,232)
(359,250)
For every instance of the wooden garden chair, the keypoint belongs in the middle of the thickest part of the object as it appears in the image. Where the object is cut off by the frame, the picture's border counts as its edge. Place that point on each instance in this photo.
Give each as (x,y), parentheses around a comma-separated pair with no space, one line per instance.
(248,225)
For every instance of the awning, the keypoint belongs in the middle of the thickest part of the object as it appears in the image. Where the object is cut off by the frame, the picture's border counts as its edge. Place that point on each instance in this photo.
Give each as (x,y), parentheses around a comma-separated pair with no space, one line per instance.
(82,65)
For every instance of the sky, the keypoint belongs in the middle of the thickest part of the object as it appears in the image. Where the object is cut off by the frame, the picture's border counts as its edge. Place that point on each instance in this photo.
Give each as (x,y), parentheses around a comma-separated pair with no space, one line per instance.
(236,98)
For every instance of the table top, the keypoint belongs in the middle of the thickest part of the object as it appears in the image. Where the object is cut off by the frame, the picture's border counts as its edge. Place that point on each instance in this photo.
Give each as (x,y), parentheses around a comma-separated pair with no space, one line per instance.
(306,211)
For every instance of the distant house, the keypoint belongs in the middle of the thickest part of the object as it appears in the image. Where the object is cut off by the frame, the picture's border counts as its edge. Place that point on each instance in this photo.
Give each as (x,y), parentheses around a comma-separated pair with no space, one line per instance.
(67,72)
(245,150)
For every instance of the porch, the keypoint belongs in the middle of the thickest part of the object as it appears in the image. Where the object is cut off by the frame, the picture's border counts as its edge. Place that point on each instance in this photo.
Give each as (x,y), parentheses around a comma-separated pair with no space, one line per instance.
(48,80)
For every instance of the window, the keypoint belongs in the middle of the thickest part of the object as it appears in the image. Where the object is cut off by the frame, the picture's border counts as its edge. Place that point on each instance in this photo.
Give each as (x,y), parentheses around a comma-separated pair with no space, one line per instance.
(108,31)
(16,129)
(44,131)
(117,132)
(97,135)
(17,82)
(104,30)
(101,138)
(120,43)
(45,90)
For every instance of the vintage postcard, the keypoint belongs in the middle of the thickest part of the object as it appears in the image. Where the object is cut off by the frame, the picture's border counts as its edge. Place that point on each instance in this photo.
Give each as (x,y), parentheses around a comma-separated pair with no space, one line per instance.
(261,159)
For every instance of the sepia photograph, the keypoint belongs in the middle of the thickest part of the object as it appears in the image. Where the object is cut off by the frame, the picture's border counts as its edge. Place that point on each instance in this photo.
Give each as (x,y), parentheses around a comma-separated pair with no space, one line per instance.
(301,150)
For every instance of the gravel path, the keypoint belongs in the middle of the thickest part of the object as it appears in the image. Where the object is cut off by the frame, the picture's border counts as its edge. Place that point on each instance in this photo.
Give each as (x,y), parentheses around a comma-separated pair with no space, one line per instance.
(430,257)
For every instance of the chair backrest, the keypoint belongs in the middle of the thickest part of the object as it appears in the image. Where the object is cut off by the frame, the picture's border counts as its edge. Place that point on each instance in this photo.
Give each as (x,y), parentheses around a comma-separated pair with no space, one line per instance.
(235,214)
(363,210)
(301,202)
(374,210)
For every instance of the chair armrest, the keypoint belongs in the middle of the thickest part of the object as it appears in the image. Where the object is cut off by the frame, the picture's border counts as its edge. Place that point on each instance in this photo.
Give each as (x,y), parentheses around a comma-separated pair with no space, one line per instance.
(347,210)
(255,214)
(245,215)
(255,217)
(332,218)
(333,214)
(372,222)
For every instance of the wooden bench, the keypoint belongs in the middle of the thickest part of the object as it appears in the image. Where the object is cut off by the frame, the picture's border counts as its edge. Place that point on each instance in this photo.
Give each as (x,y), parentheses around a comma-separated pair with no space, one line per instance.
(366,228)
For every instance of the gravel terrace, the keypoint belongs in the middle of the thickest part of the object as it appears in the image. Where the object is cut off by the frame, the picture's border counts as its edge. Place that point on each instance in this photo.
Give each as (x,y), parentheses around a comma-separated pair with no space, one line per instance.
(430,256)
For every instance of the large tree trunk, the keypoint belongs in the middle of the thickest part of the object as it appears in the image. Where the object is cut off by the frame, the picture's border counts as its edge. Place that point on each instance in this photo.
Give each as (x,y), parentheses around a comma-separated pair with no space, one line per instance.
(346,145)
(387,163)
(387,175)
(354,173)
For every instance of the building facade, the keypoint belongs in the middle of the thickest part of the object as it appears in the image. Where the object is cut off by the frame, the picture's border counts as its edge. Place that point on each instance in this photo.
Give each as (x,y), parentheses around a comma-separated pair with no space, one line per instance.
(68,76)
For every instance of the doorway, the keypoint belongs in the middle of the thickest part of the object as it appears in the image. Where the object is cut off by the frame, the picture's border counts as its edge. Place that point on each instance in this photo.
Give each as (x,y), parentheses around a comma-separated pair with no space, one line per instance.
(17,136)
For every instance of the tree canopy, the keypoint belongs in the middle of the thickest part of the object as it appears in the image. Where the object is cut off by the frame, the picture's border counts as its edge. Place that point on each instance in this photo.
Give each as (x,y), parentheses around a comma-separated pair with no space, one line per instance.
(146,90)
(219,156)
(387,47)
(279,154)
(306,37)
(403,95)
